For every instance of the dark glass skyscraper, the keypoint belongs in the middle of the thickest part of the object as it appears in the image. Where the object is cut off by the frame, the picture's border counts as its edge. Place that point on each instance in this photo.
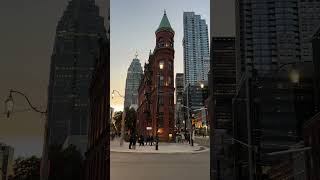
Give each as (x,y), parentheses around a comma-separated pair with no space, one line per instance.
(222,85)
(72,62)
(134,76)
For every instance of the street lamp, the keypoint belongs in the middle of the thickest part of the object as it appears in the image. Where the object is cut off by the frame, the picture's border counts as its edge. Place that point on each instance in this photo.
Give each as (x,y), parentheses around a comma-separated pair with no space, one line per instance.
(9,103)
(294,76)
(202,85)
(161,65)
(123,118)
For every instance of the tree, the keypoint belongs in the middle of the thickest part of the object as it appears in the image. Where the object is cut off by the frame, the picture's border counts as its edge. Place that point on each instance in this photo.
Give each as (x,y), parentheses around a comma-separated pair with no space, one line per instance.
(26,168)
(118,117)
(131,119)
(66,164)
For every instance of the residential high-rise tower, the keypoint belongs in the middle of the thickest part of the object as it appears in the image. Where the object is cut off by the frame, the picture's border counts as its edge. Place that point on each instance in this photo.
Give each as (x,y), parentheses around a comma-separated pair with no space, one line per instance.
(196,49)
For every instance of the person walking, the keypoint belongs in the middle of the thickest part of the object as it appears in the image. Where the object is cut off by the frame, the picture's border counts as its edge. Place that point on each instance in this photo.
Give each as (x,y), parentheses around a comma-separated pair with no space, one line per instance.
(142,140)
(147,140)
(131,141)
(151,140)
(139,140)
(134,140)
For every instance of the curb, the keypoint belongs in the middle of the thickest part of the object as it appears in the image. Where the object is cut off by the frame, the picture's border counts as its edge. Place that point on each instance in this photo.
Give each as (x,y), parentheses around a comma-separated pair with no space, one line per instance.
(200,150)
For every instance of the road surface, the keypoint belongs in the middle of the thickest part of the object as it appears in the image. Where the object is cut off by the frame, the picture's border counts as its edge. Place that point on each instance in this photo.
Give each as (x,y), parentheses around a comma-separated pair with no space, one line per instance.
(136,166)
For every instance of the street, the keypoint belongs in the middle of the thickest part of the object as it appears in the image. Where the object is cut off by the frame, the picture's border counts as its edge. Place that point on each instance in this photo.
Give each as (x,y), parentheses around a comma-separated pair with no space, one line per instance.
(137,166)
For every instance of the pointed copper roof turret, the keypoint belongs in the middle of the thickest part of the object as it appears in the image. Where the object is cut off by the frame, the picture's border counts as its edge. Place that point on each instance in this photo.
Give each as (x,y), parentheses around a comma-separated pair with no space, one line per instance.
(164,24)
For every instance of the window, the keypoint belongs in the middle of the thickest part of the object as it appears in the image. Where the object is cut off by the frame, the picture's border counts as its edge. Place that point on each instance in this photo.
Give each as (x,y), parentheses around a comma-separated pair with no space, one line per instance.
(161,100)
(170,82)
(161,80)
(170,65)
(161,65)
(160,42)
(160,120)
(171,100)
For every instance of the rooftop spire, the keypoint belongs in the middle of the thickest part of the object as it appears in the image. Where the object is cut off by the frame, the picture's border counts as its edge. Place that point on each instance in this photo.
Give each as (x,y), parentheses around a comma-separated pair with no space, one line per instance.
(136,55)
(164,24)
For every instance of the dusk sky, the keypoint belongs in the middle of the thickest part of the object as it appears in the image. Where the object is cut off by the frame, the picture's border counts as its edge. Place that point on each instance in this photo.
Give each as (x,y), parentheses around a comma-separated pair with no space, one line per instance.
(133,26)
(27,35)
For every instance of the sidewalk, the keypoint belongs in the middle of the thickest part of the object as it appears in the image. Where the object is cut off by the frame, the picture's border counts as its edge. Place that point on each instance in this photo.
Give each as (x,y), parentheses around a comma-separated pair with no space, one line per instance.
(163,148)
(203,141)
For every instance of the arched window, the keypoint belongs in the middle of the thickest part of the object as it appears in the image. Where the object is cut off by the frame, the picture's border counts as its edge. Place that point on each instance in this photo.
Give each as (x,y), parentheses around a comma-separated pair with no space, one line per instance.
(160,42)
(170,65)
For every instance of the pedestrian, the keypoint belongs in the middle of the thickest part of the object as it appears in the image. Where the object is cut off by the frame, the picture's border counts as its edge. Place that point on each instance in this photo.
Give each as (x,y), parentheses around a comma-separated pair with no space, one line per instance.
(151,140)
(139,140)
(130,141)
(147,140)
(134,141)
(187,138)
(142,140)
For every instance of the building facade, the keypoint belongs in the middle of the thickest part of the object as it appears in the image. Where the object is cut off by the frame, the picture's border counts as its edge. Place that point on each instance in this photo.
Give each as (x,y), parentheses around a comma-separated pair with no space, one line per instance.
(179,87)
(223,87)
(97,155)
(195,48)
(311,133)
(311,128)
(72,63)
(316,65)
(144,113)
(271,40)
(309,21)
(156,91)
(134,75)
(179,111)
(6,161)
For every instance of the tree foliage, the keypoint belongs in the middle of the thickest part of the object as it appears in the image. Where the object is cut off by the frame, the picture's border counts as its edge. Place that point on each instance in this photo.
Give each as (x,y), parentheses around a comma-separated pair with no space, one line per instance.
(26,168)
(131,119)
(118,117)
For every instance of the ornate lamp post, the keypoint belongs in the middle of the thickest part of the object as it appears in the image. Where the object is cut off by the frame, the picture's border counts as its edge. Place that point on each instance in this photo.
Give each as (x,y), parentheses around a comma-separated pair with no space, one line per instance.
(9,103)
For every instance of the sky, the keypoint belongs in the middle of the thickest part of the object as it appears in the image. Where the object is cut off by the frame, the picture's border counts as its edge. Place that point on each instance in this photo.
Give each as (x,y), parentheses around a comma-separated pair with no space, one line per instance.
(27,35)
(133,26)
